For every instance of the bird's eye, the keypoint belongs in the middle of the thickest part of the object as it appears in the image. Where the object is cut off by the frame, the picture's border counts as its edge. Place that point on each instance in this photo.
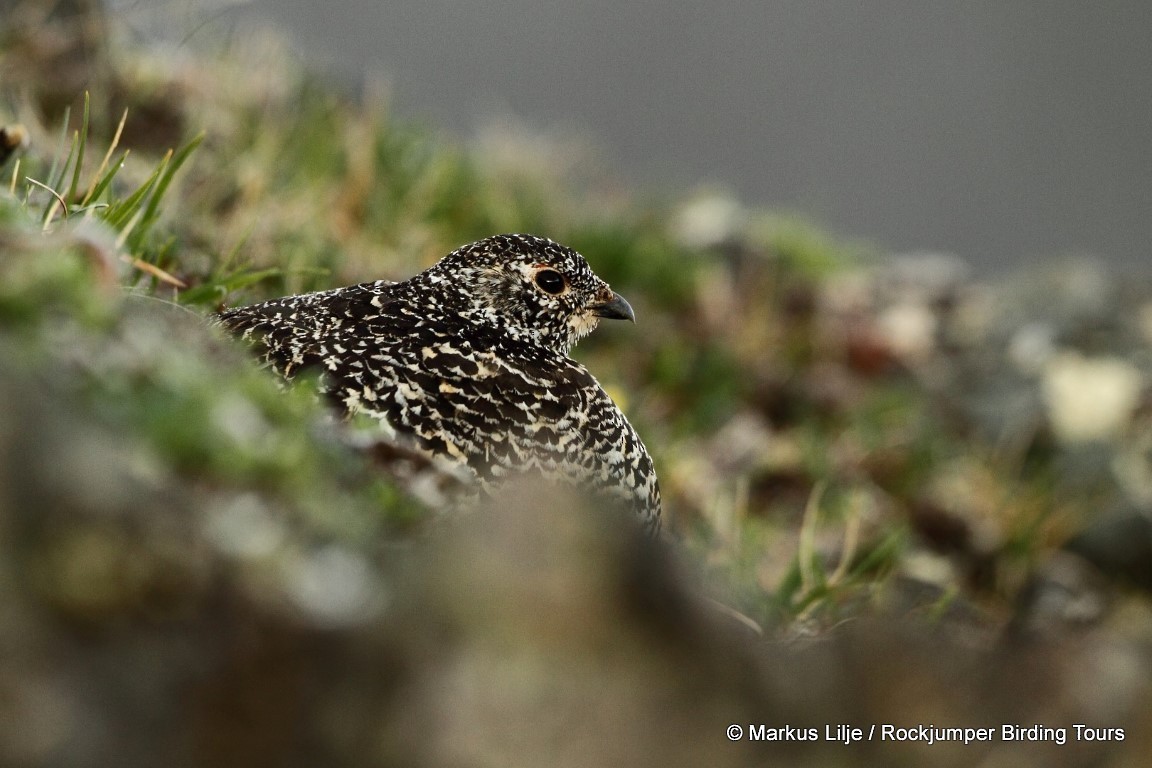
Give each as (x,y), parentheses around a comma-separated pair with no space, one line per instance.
(550,281)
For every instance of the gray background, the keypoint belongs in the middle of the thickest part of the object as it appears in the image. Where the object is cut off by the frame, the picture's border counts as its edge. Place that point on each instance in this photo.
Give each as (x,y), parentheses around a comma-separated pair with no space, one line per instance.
(1003,131)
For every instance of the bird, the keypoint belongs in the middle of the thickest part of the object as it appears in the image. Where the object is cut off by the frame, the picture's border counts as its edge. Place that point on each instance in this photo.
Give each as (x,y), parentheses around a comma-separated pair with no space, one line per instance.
(467,364)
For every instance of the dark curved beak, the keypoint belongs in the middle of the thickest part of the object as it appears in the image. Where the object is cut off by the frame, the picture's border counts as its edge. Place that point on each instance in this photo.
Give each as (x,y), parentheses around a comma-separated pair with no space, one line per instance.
(615,308)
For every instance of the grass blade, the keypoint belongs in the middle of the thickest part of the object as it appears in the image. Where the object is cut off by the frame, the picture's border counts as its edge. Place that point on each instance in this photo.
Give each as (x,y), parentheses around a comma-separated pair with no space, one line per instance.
(54,183)
(118,214)
(83,142)
(59,146)
(103,183)
(59,201)
(169,171)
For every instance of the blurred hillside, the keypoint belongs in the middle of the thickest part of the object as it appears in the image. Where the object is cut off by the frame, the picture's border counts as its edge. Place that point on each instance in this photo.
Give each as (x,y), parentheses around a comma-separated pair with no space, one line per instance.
(932,494)
(1006,133)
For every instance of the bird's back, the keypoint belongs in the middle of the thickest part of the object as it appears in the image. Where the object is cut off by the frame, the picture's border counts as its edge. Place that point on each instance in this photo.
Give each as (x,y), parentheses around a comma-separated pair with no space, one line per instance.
(465,394)
(296,333)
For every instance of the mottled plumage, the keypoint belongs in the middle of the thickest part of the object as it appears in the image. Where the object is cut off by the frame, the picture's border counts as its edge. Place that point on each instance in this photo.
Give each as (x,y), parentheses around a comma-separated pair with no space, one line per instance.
(467,362)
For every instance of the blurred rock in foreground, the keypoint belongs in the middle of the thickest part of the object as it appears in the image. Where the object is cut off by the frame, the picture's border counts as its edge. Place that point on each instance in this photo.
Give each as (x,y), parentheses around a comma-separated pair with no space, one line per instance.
(534,634)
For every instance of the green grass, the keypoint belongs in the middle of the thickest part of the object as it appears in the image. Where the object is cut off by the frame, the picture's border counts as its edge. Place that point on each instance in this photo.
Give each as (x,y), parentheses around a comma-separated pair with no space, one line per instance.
(90,310)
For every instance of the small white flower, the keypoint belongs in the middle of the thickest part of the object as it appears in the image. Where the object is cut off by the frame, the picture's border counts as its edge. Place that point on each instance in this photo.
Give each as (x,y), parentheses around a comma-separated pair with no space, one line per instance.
(1090,399)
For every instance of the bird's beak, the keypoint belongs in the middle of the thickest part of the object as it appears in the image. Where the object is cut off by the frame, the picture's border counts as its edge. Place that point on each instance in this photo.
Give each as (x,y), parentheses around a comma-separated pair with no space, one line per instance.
(614,308)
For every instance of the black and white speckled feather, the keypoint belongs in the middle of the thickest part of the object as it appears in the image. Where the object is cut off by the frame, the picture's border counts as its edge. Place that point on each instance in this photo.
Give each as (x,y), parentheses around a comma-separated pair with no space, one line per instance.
(468,362)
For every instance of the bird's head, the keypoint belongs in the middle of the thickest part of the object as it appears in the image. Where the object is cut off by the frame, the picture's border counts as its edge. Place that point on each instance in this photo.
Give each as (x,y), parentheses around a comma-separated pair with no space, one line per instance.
(531,287)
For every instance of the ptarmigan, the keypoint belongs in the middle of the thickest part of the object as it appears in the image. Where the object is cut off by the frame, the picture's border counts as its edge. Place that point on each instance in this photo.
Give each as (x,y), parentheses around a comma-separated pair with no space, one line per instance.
(467,362)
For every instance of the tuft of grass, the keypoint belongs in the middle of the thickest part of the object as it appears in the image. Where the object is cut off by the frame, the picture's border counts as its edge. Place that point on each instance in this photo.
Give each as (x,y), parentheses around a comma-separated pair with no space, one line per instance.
(83,313)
